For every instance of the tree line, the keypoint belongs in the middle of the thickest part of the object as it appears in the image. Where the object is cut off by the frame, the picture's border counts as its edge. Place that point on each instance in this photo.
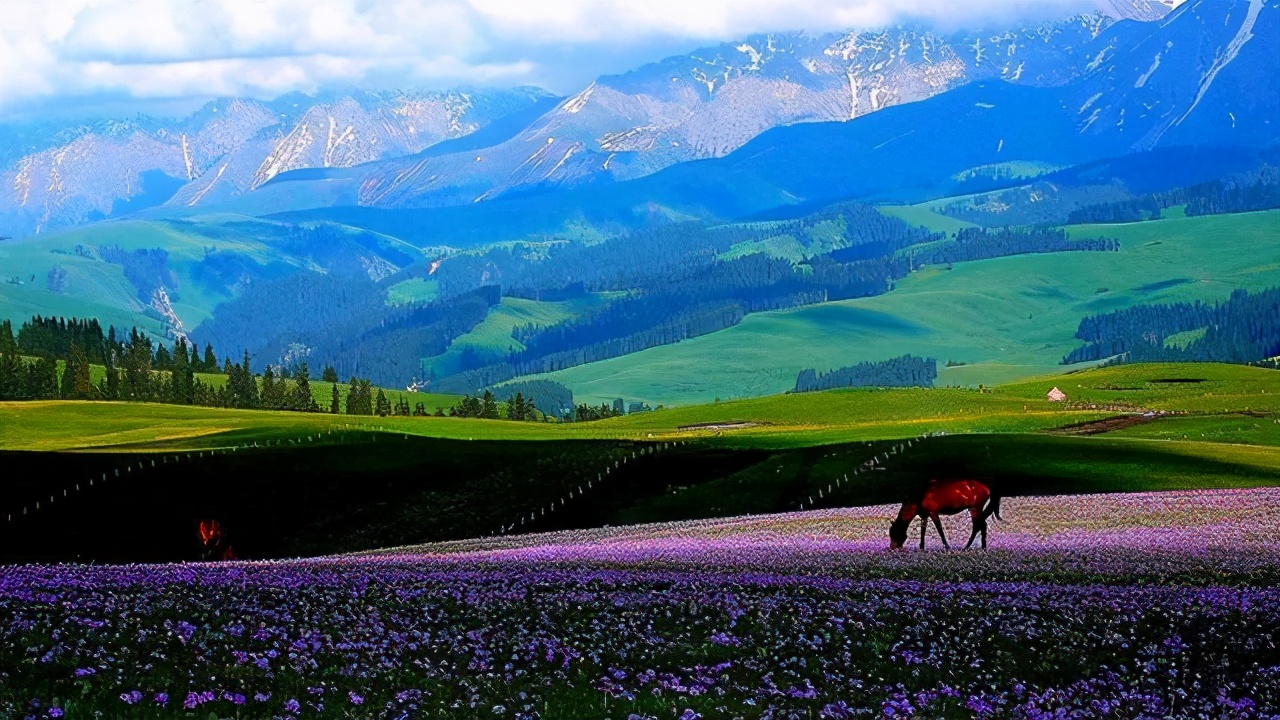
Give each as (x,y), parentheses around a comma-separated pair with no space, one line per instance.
(981,244)
(1243,329)
(138,369)
(486,406)
(905,371)
(1259,190)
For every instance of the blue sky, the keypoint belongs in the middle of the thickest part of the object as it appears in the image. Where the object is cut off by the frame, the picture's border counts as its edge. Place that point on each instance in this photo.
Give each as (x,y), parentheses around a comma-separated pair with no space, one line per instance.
(78,53)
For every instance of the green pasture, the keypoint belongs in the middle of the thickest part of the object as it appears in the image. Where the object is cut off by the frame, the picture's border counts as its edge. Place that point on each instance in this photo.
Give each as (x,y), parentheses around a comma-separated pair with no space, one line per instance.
(925,215)
(1004,318)
(492,339)
(778,421)
(411,291)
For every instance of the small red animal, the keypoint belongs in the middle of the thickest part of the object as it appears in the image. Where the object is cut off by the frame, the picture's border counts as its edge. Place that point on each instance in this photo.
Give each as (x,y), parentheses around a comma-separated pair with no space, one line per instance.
(947,497)
(213,541)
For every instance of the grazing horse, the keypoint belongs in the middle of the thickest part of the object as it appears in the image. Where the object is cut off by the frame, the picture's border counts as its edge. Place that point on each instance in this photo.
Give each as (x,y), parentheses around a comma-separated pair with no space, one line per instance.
(947,497)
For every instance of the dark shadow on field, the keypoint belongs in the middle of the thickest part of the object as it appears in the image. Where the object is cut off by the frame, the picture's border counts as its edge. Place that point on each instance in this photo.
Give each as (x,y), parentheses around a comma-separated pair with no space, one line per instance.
(355,492)
(362,491)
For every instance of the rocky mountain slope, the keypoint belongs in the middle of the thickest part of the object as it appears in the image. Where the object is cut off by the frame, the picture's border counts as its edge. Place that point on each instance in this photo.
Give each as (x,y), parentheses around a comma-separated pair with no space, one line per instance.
(712,102)
(228,147)
(1202,76)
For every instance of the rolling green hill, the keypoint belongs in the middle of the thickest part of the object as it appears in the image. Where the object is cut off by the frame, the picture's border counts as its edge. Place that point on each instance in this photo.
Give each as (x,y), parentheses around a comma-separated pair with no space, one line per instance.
(492,339)
(210,256)
(1004,318)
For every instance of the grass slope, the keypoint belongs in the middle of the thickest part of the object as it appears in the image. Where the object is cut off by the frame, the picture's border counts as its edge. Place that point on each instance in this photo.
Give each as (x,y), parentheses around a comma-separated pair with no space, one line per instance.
(492,339)
(96,288)
(778,421)
(1005,318)
(926,215)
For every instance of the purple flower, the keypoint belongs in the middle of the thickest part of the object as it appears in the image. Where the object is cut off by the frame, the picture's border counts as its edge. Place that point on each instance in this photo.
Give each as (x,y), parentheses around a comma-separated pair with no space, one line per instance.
(355,699)
(132,697)
(292,706)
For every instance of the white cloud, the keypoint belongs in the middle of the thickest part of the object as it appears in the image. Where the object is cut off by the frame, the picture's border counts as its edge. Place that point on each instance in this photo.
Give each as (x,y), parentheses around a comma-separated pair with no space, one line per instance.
(156,49)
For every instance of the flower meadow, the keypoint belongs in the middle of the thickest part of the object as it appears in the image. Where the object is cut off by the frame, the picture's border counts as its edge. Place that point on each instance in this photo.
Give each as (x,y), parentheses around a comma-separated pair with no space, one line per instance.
(1073,613)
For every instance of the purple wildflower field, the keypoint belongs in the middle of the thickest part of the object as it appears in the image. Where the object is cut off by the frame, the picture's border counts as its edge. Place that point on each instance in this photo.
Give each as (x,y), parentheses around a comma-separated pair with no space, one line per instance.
(1124,606)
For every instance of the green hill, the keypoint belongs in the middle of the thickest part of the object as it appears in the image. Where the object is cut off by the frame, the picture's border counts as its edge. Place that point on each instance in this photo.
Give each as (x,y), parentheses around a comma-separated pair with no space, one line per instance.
(1003,318)
(209,256)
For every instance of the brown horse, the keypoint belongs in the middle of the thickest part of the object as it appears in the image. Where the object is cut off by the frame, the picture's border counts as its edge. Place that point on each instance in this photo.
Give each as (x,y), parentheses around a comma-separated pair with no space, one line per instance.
(947,498)
(213,542)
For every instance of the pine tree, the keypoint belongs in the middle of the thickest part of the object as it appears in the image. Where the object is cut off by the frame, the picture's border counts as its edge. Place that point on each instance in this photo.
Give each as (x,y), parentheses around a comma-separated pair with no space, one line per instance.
(522,408)
(7,343)
(163,360)
(111,383)
(137,367)
(383,407)
(66,385)
(10,376)
(490,408)
(182,386)
(334,404)
(76,376)
(210,360)
(302,399)
(272,397)
(360,397)
(329,375)
(242,389)
(42,379)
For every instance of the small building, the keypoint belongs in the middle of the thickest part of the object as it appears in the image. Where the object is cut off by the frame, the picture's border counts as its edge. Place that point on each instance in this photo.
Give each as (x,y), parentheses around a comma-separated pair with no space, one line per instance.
(1055,395)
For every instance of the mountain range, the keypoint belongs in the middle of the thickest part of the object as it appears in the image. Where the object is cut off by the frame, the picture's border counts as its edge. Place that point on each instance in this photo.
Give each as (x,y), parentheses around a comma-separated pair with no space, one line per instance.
(401,149)
(227,148)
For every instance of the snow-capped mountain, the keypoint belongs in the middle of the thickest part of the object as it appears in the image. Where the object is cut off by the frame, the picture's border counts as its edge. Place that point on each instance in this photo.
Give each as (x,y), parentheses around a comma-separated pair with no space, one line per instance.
(1206,73)
(711,102)
(230,147)
(1145,81)
(1148,72)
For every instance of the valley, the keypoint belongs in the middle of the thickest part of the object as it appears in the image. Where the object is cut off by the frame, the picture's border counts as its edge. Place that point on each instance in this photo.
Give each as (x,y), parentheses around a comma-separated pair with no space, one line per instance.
(605,360)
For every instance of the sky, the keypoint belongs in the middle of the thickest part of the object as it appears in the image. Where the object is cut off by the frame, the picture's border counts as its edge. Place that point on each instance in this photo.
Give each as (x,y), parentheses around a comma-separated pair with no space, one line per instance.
(70,55)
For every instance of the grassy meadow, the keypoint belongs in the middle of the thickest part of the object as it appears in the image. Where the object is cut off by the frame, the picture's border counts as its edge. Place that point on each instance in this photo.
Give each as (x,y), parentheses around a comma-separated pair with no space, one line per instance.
(1221,396)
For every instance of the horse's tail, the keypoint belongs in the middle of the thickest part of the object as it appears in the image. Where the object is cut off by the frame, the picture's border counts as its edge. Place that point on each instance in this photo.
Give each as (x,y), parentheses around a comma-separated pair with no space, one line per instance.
(993,508)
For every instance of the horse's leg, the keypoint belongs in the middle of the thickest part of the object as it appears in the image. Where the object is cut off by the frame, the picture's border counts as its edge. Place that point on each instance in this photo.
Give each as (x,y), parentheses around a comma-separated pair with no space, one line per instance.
(938,524)
(975,514)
